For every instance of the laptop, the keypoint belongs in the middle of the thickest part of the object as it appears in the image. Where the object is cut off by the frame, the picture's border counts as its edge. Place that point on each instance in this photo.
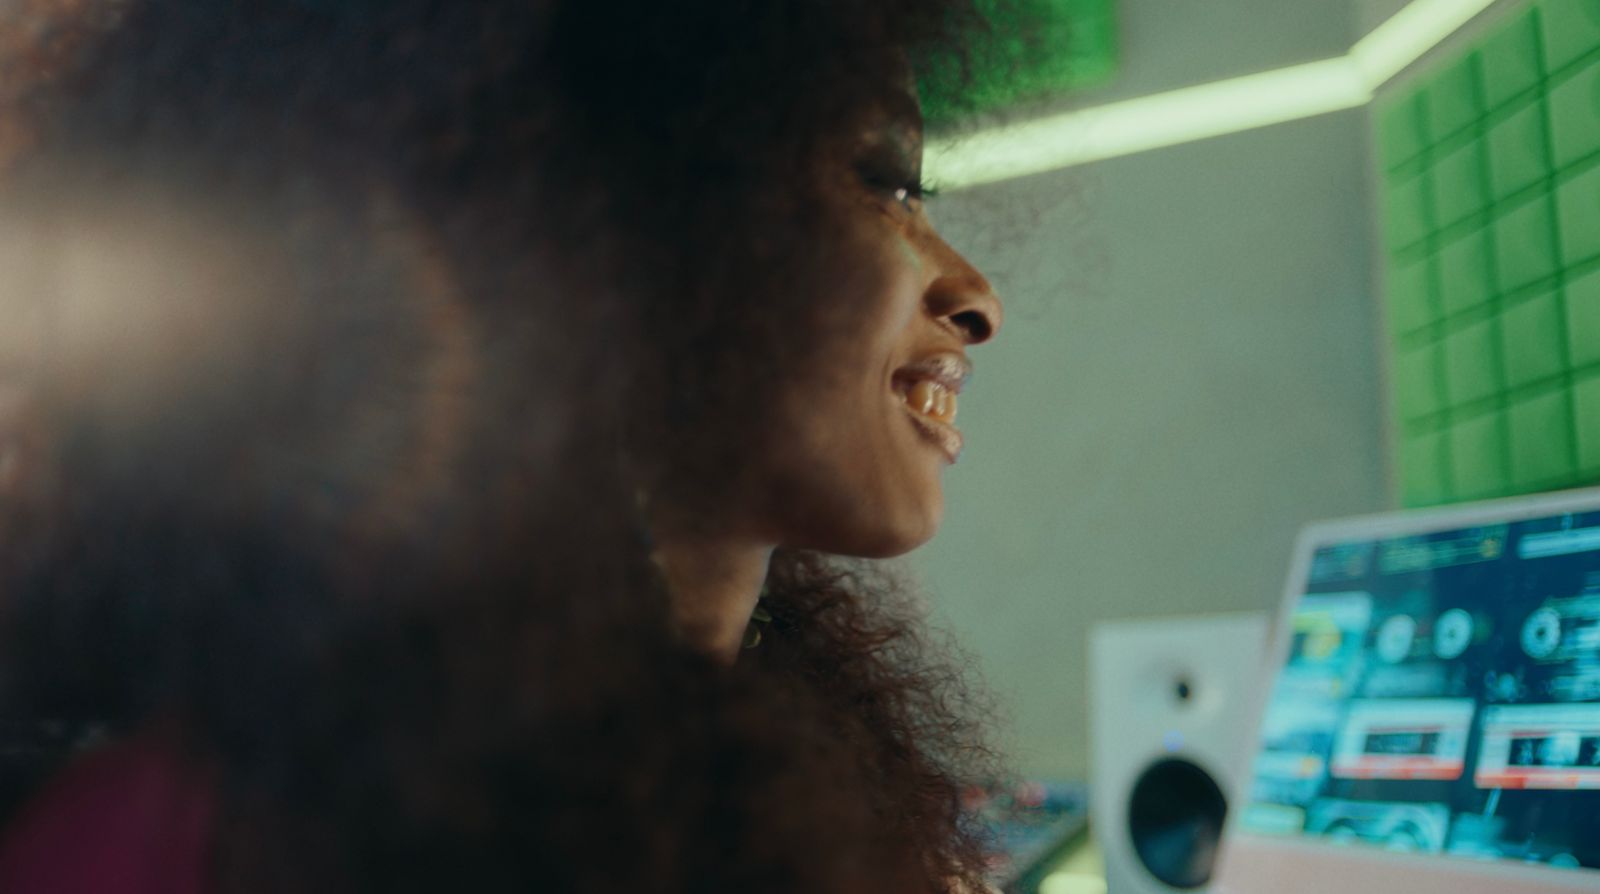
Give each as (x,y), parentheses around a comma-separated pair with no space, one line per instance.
(1432,724)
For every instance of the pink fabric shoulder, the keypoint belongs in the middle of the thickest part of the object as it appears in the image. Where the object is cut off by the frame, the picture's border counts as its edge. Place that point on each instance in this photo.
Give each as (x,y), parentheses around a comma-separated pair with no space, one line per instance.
(128,818)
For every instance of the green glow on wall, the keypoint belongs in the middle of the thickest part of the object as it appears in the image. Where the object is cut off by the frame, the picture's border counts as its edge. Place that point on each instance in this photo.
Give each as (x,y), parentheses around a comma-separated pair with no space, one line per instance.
(1193,113)
(1040,49)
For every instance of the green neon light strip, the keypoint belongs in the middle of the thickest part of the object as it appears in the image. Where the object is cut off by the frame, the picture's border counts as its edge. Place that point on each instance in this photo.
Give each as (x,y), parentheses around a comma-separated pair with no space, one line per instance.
(1150,122)
(1413,31)
(1195,113)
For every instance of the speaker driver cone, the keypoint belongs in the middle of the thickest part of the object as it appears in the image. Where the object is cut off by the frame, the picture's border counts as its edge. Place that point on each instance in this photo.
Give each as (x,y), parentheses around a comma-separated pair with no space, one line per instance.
(1175,817)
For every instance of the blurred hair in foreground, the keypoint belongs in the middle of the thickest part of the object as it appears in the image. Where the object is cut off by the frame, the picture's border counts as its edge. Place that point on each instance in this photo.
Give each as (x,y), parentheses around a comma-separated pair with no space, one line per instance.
(339,340)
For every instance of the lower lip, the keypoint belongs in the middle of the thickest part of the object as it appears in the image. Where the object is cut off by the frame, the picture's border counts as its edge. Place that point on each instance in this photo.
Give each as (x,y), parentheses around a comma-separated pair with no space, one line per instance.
(947,438)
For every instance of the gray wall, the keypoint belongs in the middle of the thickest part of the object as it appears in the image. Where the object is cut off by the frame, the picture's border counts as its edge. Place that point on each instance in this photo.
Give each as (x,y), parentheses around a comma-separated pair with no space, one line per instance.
(1167,44)
(1369,14)
(1189,372)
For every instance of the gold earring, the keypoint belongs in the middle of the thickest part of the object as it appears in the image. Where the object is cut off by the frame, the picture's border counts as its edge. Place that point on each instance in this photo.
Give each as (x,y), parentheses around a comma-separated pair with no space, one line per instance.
(758,616)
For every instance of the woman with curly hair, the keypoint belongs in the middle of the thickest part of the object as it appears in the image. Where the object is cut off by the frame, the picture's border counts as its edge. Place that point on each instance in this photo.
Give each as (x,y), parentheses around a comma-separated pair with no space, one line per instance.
(438,442)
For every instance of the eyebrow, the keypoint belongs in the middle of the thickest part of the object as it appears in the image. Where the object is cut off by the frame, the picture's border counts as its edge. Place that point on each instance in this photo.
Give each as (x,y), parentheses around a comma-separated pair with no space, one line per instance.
(904,113)
(900,134)
(902,105)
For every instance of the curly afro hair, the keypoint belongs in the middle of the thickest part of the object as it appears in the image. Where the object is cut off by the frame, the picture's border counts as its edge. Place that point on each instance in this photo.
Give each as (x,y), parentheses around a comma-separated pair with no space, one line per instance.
(371,535)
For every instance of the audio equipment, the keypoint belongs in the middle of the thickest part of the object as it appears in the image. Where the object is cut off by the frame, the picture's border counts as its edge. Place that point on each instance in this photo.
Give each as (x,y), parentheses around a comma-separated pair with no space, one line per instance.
(1171,700)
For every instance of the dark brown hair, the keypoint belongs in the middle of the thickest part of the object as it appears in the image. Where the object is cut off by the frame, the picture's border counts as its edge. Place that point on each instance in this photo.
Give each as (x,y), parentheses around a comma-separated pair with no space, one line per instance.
(511,265)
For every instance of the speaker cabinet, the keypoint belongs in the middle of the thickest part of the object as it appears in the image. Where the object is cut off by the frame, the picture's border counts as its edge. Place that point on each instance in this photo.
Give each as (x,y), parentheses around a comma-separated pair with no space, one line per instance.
(1170,705)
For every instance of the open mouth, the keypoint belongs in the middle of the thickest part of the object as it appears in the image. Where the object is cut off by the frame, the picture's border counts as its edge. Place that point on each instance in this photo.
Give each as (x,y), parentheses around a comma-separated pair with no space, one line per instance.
(942,435)
(928,389)
(932,400)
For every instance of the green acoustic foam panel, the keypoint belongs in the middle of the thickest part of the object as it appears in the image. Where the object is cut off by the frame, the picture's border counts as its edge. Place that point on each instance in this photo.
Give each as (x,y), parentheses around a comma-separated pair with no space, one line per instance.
(1477,447)
(1464,280)
(1571,30)
(1457,184)
(1517,151)
(1490,197)
(1400,129)
(1509,60)
(1525,249)
(1586,411)
(1451,101)
(1472,368)
(1578,207)
(1540,427)
(1417,382)
(1575,114)
(1410,293)
(1531,341)
(1583,319)
(1038,49)
(1422,470)
(1407,212)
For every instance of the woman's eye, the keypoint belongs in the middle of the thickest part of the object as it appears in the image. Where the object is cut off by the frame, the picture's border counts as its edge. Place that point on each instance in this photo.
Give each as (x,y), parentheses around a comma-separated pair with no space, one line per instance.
(908,194)
(907,190)
(914,195)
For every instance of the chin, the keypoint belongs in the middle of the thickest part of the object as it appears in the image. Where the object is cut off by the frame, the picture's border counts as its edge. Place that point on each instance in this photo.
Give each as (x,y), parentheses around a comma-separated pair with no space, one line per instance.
(879,515)
(888,539)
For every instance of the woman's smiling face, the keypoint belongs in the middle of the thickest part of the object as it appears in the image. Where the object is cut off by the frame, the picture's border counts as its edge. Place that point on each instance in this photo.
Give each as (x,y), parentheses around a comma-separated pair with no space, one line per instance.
(865,427)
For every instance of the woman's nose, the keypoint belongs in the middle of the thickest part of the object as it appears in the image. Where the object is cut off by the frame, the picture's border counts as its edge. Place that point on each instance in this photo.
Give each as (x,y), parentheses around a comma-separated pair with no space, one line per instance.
(962,299)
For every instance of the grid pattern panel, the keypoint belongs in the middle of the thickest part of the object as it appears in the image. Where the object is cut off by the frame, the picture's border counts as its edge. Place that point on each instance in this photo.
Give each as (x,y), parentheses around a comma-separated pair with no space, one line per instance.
(1491,212)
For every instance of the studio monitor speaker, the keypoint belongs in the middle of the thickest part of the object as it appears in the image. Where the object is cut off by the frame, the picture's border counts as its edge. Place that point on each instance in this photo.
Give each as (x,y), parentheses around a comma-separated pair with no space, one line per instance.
(1170,706)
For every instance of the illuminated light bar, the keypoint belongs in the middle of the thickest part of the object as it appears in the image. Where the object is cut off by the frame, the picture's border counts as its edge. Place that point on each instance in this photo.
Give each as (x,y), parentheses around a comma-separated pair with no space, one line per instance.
(1195,113)
(1150,122)
(1412,31)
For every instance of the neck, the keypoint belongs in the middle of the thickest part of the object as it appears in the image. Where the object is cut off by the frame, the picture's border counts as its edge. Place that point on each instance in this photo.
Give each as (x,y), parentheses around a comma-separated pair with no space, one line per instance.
(715,582)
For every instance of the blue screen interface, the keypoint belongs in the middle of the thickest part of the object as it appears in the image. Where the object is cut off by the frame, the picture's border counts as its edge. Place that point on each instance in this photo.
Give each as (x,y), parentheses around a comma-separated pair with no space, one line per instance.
(1442,695)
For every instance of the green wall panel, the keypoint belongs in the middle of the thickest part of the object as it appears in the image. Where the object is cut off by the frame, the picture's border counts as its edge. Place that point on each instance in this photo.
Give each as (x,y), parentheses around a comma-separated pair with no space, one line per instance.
(1531,341)
(1408,220)
(1410,296)
(1423,470)
(1518,151)
(1575,115)
(1464,280)
(1509,60)
(1457,184)
(1472,368)
(1541,441)
(1525,245)
(1583,320)
(1417,391)
(1490,167)
(1400,132)
(1478,457)
(1586,412)
(1578,201)
(1451,101)
(1571,31)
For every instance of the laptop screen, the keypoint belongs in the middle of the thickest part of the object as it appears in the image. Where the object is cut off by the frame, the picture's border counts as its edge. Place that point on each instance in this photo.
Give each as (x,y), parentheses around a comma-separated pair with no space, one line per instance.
(1440,694)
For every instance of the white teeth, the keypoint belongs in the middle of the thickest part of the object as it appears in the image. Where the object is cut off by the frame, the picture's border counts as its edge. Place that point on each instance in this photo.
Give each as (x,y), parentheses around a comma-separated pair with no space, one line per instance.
(931,399)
